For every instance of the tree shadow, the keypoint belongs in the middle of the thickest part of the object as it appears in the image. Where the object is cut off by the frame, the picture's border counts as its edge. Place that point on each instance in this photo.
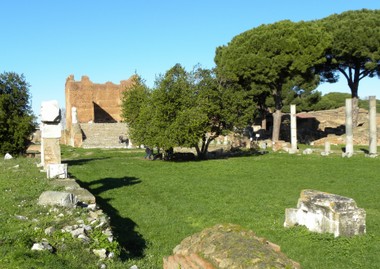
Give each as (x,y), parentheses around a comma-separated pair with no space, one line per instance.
(82,161)
(124,229)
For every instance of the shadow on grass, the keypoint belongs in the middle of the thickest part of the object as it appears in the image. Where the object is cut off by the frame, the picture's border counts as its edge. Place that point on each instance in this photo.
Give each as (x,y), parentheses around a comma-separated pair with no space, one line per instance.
(213,155)
(82,161)
(124,229)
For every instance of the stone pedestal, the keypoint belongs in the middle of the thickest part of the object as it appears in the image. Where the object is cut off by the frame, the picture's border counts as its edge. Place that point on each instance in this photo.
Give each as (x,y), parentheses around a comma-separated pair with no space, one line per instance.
(50,133)
(327,213)
(51,151)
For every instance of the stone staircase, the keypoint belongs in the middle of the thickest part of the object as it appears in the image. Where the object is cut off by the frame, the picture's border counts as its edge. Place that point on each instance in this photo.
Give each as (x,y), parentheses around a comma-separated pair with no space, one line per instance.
(103,135)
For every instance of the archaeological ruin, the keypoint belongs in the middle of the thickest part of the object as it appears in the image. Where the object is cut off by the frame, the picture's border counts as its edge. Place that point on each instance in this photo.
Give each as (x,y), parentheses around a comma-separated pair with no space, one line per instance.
(93,120)
(93,110)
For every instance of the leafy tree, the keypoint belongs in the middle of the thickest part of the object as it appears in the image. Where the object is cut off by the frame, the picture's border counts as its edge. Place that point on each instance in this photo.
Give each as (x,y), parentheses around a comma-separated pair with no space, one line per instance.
(150,113)
(17,121)
(355,51)
(276,57)
(135,105)
(188,109)
(217,110)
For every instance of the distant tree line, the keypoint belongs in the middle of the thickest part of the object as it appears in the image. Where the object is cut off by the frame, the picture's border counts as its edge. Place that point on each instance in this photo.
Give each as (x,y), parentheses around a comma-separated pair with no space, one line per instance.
(259,72)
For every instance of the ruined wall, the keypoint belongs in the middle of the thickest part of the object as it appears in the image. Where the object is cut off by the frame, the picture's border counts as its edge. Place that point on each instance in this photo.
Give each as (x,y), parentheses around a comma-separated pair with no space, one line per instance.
(94,102)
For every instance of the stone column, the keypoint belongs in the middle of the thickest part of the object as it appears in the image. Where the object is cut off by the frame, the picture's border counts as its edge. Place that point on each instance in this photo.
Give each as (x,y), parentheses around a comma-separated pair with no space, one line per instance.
(327,149)
(50,133)
(372,127)
(293,129)
(349,131)
(76,138)
(74,115)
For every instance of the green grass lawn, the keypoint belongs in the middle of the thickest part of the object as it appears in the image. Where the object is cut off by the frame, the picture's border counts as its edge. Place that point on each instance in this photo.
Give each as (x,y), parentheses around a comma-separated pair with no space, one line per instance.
(154,205)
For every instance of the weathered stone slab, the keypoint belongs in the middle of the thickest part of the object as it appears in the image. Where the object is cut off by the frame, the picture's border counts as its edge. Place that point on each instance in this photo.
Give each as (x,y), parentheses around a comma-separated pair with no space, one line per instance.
(327,213)
(227,246)
(84,196)
(71,186)
(56,198)
(56,170)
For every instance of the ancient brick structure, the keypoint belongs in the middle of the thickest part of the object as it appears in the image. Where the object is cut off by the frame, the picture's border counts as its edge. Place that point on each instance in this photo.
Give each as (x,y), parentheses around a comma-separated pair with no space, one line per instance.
(97,103)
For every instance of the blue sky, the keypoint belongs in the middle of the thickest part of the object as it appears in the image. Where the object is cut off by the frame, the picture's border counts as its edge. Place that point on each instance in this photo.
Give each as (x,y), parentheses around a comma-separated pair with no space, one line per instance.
(111,40)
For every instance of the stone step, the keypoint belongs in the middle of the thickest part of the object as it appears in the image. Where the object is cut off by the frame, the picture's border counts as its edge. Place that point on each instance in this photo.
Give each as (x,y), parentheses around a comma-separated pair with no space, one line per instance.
(103,135)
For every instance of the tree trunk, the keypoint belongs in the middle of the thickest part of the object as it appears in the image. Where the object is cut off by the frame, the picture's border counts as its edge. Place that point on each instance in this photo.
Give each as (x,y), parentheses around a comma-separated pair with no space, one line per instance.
(202,152)
(198,150)
(276,125)
(353,83)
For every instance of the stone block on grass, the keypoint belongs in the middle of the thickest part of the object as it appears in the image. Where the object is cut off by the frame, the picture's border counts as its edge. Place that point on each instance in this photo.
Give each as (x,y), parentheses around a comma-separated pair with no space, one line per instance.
(56,198)
(327,213)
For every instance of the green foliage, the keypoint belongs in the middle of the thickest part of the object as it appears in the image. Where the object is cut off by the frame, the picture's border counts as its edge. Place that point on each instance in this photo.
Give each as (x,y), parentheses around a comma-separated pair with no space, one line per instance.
(275,58)
(185,109)
(171,97)
(16,118)
(137,111)
(100,240)
(305,101)
(354,52)
(137,95)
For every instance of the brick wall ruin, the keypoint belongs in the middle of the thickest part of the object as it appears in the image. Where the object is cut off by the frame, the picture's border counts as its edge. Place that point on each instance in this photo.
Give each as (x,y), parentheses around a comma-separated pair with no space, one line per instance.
(98,103)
